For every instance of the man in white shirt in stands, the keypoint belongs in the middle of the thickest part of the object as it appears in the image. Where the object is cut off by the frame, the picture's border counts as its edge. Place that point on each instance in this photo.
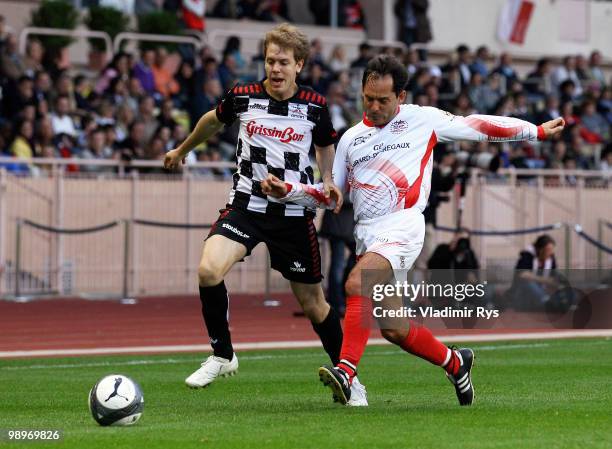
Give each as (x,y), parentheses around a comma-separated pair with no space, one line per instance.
(60,120)
(385,164)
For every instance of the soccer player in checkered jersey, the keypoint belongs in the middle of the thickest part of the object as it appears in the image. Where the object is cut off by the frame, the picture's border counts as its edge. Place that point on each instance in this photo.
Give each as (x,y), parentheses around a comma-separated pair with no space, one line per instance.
(279,120)
(385,163)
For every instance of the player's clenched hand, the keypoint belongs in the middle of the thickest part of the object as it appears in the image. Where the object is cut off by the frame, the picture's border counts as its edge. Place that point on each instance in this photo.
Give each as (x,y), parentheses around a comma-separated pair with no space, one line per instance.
(273,186)
(553,127)
(173,158)
(333,193)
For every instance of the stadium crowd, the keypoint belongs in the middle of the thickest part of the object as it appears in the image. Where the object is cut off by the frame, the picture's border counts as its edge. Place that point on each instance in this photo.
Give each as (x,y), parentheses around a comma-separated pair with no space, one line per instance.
(137,108)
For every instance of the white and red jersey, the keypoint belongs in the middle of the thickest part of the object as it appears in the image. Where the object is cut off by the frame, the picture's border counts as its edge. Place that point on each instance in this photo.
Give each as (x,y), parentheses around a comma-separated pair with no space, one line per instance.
(387,169)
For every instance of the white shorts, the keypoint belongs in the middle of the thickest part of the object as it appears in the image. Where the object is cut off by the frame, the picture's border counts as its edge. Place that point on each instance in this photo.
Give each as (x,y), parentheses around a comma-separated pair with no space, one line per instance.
(398,237)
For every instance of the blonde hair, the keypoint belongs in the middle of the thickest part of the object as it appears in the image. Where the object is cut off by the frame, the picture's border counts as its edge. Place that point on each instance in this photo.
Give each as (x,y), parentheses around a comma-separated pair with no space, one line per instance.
(287,37)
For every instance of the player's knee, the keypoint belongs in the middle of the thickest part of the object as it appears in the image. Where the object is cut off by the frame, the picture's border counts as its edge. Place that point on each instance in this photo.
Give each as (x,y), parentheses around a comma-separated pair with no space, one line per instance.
(209,274)
(313,306)
(395,336)
(353,285)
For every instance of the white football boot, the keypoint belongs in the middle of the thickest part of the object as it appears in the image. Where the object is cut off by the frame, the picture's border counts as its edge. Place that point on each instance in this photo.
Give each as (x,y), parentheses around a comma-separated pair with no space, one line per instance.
(212,368)
(359,395)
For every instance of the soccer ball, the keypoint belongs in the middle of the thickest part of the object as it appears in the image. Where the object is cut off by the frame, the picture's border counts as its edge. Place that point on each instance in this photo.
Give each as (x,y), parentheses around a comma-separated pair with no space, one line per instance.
(116,400)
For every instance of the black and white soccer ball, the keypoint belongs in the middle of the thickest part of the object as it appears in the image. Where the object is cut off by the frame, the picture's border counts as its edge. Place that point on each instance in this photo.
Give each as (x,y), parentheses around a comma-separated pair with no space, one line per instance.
(116,400)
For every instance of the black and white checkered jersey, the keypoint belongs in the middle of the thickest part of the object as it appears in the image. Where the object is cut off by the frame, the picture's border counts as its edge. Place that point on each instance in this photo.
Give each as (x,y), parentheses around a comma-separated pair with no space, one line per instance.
(275,137)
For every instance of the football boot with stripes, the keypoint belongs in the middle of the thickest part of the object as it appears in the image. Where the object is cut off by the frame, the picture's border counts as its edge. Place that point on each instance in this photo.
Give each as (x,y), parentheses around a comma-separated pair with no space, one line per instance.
(463,379)
(338,380)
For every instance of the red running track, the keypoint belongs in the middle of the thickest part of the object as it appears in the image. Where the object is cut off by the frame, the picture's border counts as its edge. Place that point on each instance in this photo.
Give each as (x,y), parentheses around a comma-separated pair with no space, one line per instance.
(162,321)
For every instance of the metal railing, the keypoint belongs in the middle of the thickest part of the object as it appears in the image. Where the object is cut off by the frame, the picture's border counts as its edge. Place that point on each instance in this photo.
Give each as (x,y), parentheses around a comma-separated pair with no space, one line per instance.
(143,37)
(78,33)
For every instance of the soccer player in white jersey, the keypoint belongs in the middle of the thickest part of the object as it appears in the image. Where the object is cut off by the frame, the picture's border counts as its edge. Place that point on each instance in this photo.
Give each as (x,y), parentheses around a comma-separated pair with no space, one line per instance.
(279,120)
(385,164)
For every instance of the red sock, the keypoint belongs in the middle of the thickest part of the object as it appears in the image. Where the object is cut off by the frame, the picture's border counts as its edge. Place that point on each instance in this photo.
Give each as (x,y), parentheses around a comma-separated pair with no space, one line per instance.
(422,343)
(357,320)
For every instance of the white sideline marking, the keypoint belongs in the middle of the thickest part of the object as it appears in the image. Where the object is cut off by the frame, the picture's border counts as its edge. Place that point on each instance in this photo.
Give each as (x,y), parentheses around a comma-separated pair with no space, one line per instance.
(248,357)
(294,344)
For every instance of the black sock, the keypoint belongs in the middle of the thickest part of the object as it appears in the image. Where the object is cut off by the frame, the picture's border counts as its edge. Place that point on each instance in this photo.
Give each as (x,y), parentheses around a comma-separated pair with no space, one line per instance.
(330,332)
(215,305)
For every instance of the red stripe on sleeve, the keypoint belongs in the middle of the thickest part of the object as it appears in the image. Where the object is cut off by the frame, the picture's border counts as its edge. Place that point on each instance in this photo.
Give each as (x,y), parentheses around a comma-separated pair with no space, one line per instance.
(491,129)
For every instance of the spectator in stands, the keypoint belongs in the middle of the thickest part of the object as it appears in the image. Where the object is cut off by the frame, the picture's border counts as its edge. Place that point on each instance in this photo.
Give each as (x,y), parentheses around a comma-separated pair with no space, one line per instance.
(12,64)
(317,79)
(535,277)
(33,61)
(135,89)
(463,105)
(166,112)
(522,109)
(567,72)
(60,120)
(15,100)
(227,72)
(44,145)
(604,105)
(320,11)
(280,10)
(143,71)
(595,67)
(606,162)
(414,25)
(351,14)
(255,10)
(22,145)
(133,147)
(505,68)
(551,109)
(538,83)
(582,70)
(165,83)
(480,64)
(337,60)
(208,98)
(339,112)
(125,116)
(476,92)
(594,122)
(464,60)
(97,149)
(146,110)
(42,86)
(118,93)
(82,94)
(119,67)
(365,54)
(232,47)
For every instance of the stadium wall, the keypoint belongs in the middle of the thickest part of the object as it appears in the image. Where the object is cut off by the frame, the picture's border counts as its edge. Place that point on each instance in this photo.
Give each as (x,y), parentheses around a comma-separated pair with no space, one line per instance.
(164,261)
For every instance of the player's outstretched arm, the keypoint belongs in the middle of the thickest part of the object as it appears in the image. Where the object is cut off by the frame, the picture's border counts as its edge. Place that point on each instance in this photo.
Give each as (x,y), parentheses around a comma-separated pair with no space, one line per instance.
(325,161)
(312,196)
(207,126)
(493,128)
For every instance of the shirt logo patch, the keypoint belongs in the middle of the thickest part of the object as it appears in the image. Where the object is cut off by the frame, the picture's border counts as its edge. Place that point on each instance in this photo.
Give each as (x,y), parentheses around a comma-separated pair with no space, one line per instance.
(361,139)
(298,110)
(284,135)
(398,127)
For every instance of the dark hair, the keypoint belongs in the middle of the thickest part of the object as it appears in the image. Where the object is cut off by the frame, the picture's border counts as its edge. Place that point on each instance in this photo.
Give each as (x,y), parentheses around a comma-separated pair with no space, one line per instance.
(382,65)
(542,241)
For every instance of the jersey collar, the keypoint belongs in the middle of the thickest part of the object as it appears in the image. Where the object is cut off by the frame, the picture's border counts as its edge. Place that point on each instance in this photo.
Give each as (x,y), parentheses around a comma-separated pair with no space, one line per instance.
(369,123)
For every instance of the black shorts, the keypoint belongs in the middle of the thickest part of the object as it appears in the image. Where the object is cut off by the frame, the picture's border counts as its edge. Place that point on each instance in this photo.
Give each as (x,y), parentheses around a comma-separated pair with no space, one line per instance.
(291,241)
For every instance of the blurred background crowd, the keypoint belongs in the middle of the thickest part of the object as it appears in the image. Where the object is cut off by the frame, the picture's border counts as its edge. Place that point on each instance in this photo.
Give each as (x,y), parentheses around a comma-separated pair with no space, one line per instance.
(144,103)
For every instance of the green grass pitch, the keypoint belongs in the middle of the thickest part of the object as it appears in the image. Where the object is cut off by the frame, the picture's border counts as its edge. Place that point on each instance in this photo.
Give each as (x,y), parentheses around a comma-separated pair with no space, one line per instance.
(544,394)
